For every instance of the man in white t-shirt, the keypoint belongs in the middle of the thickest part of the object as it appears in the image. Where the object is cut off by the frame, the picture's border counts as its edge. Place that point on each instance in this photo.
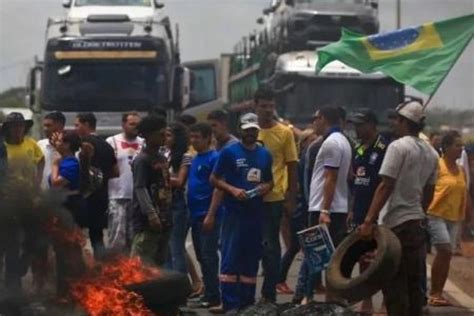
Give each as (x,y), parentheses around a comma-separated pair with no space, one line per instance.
(329,190)
(52,123)
(127,145)
(409,173)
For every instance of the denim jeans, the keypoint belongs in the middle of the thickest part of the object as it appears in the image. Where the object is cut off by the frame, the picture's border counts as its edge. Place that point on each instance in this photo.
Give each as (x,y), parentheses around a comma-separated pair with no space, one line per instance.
(206,247)
(272,213)
(179,209)
(337,230)
(306,281)
(297,223)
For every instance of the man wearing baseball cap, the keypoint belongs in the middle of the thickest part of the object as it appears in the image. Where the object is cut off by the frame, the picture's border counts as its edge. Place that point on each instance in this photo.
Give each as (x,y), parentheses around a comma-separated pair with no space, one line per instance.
(366,161)
(244,172)
(408,172)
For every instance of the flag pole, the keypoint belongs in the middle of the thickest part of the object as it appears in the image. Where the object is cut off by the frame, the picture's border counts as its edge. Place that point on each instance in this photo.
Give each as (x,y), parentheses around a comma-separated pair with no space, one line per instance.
(428,101)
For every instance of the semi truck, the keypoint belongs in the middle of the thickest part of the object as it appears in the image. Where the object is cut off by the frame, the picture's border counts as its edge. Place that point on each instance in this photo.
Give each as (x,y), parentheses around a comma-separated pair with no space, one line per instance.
(108,64)
(286,61)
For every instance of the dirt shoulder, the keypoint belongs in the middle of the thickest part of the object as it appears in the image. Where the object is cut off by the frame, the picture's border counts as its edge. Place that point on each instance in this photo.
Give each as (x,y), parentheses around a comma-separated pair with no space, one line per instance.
(461,271)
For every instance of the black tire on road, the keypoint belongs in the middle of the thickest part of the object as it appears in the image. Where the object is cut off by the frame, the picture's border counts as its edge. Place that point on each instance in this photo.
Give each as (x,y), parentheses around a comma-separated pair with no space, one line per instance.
(170,290)
(381,270)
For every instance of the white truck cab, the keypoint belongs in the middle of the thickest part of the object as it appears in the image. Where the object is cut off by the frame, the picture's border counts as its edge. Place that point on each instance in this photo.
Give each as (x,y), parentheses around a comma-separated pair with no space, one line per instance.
(135,9)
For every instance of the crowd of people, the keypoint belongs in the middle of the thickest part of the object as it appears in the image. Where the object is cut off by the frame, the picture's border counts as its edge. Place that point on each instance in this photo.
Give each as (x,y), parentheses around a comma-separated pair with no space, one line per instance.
(154,182)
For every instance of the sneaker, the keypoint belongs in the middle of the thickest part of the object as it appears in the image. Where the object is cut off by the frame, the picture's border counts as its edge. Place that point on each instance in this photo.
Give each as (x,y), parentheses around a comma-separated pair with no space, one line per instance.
(283,288)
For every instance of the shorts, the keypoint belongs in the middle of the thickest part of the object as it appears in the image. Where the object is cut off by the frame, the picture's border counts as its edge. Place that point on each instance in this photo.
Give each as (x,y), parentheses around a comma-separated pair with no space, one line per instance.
(443,231)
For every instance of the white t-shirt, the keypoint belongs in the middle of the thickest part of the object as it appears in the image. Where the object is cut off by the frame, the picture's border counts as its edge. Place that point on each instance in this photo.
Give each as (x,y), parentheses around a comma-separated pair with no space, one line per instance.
(125,151)
(464,163)
(413,164)
(49,154)
(335,152)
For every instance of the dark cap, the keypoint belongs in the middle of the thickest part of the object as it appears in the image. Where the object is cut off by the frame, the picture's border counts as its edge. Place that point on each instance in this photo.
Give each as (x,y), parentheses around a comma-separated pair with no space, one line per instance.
(363,116)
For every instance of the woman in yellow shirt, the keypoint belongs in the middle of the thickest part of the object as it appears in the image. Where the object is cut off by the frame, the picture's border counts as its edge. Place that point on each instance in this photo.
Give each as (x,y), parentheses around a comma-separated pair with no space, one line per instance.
(446,213)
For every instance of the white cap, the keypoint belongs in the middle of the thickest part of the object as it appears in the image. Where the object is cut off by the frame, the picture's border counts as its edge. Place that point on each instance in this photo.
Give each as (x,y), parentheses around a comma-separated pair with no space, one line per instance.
(412,111)
(249,120)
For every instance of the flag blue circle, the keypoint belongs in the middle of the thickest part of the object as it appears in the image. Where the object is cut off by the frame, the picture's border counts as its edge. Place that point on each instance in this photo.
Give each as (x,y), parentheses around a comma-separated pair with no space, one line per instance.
(394,40)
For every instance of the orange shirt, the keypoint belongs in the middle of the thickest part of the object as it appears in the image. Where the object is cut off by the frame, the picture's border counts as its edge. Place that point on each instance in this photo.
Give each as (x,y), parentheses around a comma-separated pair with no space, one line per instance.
(449,201)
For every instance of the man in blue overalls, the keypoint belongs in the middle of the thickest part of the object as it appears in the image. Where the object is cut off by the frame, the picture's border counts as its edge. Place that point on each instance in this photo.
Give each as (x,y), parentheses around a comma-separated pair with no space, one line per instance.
(244,173)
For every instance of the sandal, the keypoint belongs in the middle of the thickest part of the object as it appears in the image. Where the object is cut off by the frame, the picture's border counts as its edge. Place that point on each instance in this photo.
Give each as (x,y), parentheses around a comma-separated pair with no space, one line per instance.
(438,301)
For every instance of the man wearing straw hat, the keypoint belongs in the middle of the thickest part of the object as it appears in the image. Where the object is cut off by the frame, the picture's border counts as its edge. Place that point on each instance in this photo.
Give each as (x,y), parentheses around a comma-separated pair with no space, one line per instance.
(25,167)
(25,158)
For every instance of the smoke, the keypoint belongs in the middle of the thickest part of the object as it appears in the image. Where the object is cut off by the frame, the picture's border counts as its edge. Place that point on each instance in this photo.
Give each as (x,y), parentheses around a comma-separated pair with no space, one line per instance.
(26,208)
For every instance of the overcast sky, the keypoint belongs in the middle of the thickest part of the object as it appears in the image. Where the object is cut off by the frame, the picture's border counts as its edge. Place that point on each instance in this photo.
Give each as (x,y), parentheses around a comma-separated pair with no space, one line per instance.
(211,27)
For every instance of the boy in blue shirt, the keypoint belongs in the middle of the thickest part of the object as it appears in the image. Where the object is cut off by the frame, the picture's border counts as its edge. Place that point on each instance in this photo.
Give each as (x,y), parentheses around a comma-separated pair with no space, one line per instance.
(244,173)
(200,192)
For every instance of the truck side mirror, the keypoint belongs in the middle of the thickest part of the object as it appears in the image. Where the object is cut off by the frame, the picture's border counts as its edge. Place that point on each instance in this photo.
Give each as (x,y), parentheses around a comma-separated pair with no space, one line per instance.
(67,3)
(374,5)
(182,88)
(185,88)
(159,5)
(260,20)
(33,86)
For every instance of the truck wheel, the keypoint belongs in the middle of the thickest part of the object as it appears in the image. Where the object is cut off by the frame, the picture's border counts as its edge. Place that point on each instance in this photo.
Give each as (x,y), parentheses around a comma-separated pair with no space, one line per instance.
(382,268)
(169,288)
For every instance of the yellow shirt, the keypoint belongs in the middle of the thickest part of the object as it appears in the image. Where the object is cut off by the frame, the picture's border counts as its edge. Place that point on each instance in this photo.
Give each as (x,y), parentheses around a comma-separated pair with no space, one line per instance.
(449,199)
(279,140)
(23,160)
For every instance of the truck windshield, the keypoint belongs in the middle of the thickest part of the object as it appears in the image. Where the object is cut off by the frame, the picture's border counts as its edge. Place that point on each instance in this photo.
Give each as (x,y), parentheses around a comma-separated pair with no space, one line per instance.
(140,3)
(308,94)
(103,86)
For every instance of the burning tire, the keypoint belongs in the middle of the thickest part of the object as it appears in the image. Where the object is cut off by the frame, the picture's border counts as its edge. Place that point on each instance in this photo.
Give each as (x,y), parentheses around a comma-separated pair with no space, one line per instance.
(165,294)
(382,268)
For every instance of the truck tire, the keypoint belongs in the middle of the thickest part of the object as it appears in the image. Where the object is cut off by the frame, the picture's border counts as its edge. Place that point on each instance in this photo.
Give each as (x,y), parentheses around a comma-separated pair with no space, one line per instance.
(347,254)
(169,291)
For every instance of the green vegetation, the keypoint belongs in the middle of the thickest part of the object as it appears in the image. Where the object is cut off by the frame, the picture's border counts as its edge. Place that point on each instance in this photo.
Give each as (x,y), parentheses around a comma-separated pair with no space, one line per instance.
(14,97)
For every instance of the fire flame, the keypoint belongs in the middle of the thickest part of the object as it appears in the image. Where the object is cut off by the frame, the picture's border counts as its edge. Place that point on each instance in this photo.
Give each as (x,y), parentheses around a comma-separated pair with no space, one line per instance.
(102,291)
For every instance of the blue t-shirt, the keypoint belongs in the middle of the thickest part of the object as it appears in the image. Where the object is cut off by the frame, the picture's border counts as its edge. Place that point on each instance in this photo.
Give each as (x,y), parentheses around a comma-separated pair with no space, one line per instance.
(244,169)
(70,170)
(199,187)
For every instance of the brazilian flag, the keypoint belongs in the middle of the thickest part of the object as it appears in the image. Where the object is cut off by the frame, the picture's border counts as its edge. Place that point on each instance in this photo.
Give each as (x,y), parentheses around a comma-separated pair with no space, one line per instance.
(420,57)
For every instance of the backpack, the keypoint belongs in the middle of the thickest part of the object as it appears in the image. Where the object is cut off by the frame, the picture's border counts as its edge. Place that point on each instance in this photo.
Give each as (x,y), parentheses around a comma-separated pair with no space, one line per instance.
(92,180)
